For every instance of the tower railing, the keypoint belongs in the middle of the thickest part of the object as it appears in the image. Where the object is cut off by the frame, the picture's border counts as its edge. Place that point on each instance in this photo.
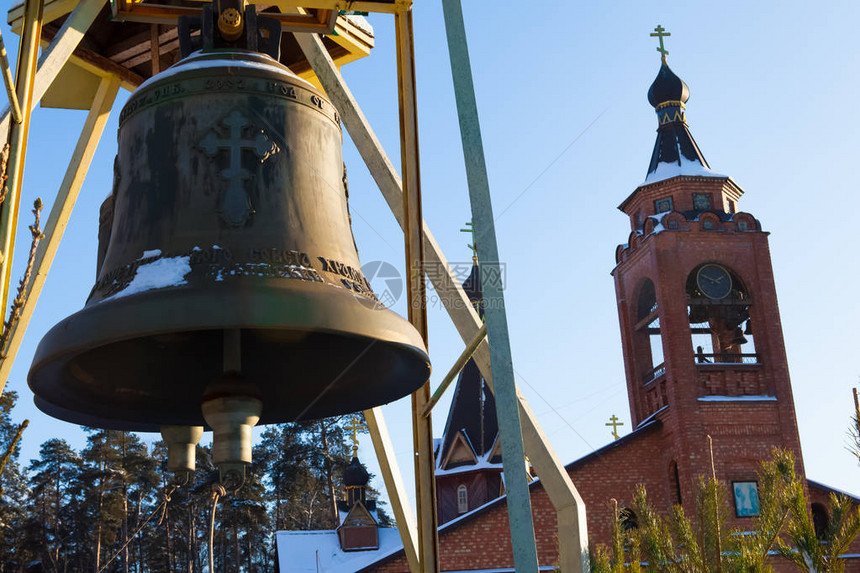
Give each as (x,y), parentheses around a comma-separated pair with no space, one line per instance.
(720,358)
(654,373)
(702,359)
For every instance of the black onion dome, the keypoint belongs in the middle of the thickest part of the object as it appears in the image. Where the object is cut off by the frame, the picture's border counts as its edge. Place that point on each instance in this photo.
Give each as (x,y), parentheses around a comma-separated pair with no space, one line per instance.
(355,474)
(667,87)
(675,151)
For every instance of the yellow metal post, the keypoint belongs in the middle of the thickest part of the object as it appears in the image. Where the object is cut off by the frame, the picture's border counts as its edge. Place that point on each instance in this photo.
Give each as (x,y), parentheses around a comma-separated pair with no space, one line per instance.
(422,428)
(24,79)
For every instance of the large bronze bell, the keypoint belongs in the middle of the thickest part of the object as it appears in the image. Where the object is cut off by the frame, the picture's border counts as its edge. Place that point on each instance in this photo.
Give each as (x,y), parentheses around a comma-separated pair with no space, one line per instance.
(229,222)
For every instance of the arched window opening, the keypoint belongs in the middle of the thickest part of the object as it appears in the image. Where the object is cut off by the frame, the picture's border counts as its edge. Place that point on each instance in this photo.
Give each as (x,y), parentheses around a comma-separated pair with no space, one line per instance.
(649,351)
(820,519)
(720,323)
(628,519)
(676,482)
(462,499)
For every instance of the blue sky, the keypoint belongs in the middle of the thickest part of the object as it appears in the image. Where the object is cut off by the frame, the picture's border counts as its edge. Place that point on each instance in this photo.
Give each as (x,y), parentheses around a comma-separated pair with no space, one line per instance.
(568,135)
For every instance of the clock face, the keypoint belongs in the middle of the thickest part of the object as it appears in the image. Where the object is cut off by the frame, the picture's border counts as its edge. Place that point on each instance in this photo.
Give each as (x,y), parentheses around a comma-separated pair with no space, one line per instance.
(714,281)
(701,201)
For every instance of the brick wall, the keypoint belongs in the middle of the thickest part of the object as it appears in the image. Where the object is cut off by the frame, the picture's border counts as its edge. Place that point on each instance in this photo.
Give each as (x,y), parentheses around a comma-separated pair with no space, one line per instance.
(482,541)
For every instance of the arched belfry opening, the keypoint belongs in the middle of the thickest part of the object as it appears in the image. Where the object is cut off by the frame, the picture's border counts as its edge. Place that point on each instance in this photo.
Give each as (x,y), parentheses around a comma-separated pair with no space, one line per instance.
(648,340)
(820,519)
(719,311)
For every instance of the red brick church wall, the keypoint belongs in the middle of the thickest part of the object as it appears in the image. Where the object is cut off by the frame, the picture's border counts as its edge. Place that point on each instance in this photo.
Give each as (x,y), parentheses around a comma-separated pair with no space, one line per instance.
(483,541)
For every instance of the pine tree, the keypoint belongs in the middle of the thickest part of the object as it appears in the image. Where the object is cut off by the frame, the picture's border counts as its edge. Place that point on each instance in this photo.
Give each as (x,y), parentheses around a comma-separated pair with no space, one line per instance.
(53,481)
(808,549)
(283,457)
(13,492)
(105,483)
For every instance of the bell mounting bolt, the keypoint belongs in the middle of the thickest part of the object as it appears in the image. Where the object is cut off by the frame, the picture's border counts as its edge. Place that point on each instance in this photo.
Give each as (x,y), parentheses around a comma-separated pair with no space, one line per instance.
(229,24)
(230,21)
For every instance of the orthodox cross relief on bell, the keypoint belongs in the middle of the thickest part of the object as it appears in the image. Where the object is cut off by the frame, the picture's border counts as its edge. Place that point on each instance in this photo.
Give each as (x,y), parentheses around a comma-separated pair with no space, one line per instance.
(235,205)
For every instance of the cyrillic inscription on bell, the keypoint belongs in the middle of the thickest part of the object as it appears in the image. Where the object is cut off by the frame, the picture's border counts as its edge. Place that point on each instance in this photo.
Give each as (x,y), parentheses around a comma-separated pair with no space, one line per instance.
(228,222)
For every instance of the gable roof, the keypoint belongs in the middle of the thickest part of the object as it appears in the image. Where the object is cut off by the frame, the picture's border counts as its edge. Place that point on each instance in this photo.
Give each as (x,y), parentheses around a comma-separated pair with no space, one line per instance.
(357,516)
(828,489)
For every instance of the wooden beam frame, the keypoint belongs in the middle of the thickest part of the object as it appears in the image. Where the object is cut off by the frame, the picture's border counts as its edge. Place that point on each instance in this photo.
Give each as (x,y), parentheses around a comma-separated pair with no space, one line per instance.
(55,56)
(394,485)
(58,219)
(570,509)
(318,20)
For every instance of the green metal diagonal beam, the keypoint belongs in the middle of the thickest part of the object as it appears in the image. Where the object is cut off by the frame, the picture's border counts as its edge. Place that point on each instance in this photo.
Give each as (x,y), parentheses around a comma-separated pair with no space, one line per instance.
(513,456)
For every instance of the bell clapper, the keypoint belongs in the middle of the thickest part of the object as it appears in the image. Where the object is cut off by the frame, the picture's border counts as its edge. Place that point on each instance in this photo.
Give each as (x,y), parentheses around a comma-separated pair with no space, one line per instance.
(181,449)
(231,409)
(231,418)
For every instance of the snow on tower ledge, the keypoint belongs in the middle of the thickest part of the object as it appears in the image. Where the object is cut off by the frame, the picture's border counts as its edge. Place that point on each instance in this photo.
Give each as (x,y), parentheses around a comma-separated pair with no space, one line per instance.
(684,166)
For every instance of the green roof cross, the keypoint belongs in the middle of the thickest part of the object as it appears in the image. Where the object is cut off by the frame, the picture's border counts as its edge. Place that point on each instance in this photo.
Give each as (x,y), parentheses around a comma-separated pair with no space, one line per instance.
(661,33)
(473,246)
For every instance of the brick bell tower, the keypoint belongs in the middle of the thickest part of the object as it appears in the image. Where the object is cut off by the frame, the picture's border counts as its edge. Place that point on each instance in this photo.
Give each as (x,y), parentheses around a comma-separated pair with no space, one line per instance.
(702,339)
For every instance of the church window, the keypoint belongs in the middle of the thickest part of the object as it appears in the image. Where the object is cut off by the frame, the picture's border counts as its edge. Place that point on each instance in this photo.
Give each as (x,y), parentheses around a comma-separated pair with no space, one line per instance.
(462,499)
(676,482)
(820,519)
(708,224)
(648,341)
(746,498)
(742,226)
(663,205)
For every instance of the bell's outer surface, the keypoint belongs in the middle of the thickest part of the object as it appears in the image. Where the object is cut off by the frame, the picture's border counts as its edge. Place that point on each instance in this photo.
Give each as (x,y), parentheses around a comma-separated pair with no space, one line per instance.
(229,212)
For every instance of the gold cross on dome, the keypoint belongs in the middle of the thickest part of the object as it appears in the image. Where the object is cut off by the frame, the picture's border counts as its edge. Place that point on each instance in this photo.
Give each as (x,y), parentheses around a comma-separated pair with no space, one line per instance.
(355,426)
(661,33)
(614,421)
